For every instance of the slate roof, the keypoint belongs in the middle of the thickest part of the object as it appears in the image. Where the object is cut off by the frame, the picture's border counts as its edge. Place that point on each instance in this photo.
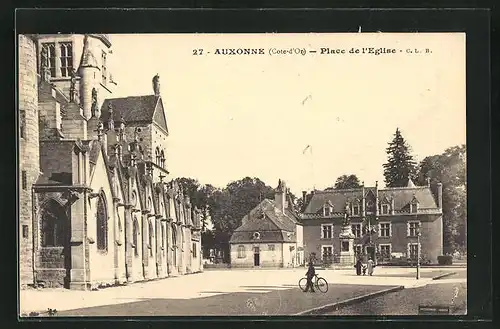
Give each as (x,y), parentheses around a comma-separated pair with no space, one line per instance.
(274,226)
(133,108)
(338,199)
(402,197)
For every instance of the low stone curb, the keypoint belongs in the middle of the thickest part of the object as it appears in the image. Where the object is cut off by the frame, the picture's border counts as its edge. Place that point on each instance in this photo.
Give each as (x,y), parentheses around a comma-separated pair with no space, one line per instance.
(350,301)
(443,275)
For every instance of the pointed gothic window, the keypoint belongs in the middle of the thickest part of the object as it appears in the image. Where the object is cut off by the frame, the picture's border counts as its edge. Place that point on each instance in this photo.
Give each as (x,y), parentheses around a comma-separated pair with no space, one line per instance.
(162,159)
(66,59)
(51,54)
(104,67)
(102,224)
(157,156)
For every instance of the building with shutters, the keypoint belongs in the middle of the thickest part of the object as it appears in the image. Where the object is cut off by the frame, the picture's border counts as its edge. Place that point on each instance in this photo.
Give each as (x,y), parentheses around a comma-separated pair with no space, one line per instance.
(96,205)
(270,235)
(384,221)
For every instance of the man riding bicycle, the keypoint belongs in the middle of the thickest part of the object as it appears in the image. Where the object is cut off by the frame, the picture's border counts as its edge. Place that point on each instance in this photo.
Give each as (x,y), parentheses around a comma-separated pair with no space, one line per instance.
(310,275)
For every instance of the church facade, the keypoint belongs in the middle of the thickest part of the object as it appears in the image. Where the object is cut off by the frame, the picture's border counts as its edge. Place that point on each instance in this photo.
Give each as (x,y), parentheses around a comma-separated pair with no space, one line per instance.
(96,205)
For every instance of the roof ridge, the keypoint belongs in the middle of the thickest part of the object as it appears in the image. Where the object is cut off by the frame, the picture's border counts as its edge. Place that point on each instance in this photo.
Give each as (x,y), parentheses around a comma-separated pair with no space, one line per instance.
(133,96)
(339,190)
(403,188)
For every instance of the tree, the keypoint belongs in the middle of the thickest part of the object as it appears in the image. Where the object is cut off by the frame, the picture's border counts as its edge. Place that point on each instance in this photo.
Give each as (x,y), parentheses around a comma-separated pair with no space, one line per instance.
(449,168)
(346,182)
(400,165)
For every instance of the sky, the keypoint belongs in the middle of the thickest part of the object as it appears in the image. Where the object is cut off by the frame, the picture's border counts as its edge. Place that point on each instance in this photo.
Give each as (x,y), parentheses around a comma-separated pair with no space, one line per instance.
(235,116)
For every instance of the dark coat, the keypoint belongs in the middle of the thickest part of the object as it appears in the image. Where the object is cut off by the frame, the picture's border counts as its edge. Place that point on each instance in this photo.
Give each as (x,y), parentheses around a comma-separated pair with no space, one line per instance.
(358,267)
(310,271)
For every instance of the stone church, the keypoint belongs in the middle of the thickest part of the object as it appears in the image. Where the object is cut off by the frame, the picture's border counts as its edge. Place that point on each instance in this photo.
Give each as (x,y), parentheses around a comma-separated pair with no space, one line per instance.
(96,205)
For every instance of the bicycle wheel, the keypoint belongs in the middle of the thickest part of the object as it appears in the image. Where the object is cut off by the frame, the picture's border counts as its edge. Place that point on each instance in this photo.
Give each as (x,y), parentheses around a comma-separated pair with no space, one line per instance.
(303,284)
(322,285)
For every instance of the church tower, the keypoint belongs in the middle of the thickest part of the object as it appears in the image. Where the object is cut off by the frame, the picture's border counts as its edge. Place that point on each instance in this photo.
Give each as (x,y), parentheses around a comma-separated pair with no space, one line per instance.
(29,165)
(79,64)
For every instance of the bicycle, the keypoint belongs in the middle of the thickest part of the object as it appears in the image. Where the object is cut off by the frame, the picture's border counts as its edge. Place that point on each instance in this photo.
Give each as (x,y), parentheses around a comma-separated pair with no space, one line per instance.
(319,283)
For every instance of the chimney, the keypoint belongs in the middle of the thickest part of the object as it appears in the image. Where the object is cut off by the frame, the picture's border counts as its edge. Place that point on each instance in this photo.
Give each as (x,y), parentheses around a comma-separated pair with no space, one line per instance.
(156,85)
(280,196)
(304,196)
(440,195)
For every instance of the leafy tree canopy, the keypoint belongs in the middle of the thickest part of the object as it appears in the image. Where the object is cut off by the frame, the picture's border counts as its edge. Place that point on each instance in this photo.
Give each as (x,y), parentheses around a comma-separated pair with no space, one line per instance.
(346,182)
(449,168)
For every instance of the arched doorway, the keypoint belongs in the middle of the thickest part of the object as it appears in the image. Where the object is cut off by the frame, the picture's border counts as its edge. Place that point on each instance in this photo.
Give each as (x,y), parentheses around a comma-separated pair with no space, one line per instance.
(55,251)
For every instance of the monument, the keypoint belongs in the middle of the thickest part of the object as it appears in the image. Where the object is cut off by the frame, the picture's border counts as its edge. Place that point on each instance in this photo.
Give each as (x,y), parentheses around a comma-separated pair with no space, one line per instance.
(346,240)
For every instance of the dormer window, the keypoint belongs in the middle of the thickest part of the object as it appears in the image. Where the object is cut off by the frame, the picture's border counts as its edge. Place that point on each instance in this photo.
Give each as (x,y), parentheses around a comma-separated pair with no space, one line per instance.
(256,235)
(355,210)
(328,209)
(385,209)
(414,207)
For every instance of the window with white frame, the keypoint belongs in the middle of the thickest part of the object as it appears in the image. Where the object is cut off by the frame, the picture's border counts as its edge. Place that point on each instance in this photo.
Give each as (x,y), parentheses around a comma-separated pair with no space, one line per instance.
(356,230)
(66,58)
(241,251)
(326,231)
(326,252)
(385,209)
(355,210)
(385,229)
(385,250)
(412,228)
(413,250)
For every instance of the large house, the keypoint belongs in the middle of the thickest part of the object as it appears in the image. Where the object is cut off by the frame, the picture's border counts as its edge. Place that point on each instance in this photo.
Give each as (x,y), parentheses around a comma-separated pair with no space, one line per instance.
(270,235)
(385,222)
(95,205)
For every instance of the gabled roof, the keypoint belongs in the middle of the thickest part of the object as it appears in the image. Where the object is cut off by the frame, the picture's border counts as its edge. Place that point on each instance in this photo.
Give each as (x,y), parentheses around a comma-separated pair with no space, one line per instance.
(401,196)
(269,221)
(404,195)
(337,198)
(135,109)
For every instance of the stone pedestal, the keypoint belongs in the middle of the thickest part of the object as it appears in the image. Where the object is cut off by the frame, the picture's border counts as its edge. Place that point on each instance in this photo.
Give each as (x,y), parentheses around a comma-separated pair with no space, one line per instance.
(346,246)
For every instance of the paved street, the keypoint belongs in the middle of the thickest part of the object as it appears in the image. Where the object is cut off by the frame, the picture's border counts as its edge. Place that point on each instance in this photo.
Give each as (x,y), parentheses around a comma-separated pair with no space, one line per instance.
(223,292)
(451,290)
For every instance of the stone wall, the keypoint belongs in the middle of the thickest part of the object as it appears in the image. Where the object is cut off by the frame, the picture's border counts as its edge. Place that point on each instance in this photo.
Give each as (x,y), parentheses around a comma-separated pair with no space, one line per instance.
(29,167)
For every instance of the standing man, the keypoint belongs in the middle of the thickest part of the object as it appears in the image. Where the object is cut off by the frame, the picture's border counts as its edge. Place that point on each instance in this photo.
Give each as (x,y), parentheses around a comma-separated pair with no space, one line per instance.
(358,266)
(310,275)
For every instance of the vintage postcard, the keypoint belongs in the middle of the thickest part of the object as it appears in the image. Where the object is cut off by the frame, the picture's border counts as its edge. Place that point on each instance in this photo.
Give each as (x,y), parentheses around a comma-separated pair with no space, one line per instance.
(242,174)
